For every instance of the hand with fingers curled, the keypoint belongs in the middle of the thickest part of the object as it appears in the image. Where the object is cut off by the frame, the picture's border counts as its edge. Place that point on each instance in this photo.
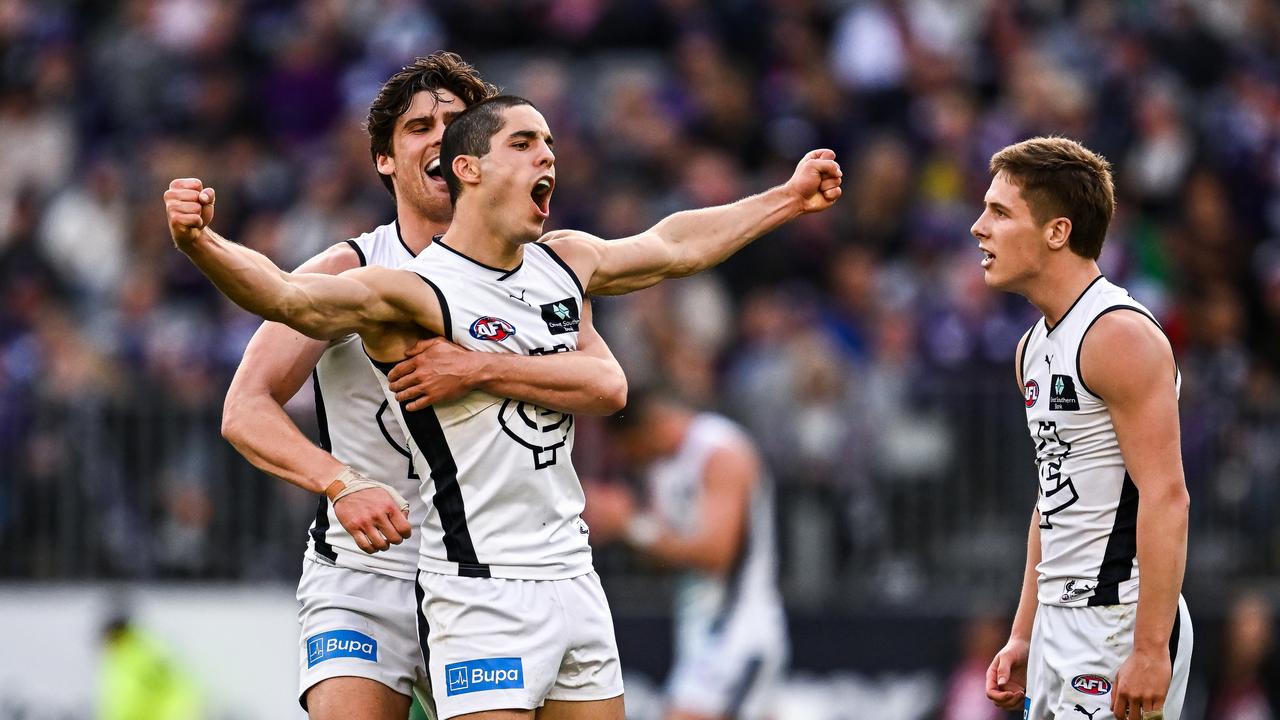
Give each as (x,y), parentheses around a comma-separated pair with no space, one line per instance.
(1142,683)
(436,371)
(188,205)
(816,181)
(375,515)
(1007,675)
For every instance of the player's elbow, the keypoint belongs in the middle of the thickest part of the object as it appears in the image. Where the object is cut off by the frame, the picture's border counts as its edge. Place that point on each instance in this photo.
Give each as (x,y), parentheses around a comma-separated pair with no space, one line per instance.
(235,420)
(613,392)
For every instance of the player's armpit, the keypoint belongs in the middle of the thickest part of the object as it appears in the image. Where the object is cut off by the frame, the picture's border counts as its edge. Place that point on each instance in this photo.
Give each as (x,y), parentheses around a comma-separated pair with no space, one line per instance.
(617,267)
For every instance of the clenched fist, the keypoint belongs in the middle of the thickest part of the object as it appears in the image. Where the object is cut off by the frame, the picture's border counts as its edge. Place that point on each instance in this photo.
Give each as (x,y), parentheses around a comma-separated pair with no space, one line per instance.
(816,181)
(189,207)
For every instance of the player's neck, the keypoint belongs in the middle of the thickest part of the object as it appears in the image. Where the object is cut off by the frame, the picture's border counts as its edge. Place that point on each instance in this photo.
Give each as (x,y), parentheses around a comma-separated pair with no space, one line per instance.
(1057,291)
(475,235)
(417,230)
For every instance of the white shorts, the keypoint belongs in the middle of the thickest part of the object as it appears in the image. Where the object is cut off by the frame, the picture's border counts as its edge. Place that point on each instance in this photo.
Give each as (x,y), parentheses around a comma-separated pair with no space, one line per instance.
(733,671)
(1075,653)
(360,624)
(496,644)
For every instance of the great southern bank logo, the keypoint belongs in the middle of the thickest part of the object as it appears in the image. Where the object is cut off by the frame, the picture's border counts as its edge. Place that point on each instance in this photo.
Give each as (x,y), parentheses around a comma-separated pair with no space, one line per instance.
(487,674)
(339,644)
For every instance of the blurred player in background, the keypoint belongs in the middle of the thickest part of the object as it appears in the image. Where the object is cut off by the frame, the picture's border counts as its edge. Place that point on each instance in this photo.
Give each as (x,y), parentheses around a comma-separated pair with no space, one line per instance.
(710,516)
(1101,388)
(360,649)
(506,568)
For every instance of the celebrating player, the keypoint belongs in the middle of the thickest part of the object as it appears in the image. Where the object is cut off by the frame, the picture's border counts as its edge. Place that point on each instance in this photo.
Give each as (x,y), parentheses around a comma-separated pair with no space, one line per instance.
(516,617)
(1100,387)
(710,515)
(357,587)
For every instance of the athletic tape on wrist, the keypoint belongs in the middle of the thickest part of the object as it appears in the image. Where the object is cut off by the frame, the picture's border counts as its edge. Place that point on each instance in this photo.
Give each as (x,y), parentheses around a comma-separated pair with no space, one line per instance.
(349,481)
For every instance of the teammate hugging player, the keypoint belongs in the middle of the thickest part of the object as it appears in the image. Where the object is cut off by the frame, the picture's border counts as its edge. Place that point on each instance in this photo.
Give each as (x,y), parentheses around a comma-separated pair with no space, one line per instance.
(517,620)
(360,652)
(1100,387)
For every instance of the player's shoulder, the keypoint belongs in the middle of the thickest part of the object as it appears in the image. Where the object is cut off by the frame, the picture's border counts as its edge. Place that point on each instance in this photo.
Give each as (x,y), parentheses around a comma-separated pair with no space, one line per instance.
(1124,352)
(1125,330)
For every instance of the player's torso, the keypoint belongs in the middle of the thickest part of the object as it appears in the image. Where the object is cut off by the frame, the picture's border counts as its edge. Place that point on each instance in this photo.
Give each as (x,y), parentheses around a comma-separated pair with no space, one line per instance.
(705,602)
(504,500)
(1087,502)
(358,427)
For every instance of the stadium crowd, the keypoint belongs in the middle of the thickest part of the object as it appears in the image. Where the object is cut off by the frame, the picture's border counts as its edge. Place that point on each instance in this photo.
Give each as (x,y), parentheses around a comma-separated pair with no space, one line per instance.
(860,346)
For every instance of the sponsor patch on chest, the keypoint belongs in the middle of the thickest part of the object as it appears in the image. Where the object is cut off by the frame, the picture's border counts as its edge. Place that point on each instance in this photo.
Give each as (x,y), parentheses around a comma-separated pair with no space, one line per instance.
(561,316)
(1062,393)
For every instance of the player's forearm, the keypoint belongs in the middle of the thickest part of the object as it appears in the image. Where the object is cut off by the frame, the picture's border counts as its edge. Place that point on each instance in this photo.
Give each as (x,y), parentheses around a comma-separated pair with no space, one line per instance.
(699,239)
(1162,557)
(248,278)
(260,430)
(1028,601)
(573,382)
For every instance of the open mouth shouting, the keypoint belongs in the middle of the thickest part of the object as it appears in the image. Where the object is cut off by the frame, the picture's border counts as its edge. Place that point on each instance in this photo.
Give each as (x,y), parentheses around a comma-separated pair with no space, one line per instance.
(987,258)
(433,170)
(541,195)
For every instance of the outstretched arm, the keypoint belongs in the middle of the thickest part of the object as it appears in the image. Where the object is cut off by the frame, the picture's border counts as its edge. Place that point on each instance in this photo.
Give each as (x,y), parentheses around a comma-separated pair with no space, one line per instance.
(691,241)
(276,364)
(320,306)
(588,381)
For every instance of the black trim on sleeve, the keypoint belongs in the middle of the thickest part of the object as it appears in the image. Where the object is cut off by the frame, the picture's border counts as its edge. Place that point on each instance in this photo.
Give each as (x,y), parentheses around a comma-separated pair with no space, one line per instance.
(320,530)
(424,427)
(1122,547)
(1022,357)
(356,246)
(1113,308)
(1084,292)
(559,261)
(444,308)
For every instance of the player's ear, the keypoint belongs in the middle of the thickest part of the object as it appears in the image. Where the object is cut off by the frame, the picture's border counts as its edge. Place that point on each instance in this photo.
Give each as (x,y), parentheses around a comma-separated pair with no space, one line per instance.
(1057,233)
(467,169)
(385,164)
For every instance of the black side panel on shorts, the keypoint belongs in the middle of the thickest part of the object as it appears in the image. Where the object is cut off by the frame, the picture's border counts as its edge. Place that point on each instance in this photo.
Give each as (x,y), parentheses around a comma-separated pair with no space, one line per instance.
(742,689)
(321,528)
(424,628)
(1173,636)
(424,427)
(1122,547)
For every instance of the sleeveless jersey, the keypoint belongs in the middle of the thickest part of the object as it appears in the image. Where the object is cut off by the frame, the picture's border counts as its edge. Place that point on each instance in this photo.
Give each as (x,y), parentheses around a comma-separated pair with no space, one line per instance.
(707,602)
(502,497)
(358,428)
(1088,503)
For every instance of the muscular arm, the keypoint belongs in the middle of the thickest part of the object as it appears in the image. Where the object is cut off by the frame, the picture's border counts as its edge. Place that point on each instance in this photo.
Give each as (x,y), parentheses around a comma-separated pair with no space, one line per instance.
(1139,387)
(693,240)
(588,380)
(276,364)
(727,480)
(1028,601)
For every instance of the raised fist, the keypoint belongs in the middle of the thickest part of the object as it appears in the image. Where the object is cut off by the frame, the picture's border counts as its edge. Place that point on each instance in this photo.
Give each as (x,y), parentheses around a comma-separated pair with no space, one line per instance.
(189,207)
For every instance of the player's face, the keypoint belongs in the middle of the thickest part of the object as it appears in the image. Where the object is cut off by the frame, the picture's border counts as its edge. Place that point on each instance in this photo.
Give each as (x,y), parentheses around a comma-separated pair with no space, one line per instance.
(1011,241)
(518,174)
(415,165)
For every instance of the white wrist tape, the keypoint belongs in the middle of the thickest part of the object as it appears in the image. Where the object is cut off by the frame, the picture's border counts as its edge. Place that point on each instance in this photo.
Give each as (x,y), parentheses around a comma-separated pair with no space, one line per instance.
(349,481)
(643,531)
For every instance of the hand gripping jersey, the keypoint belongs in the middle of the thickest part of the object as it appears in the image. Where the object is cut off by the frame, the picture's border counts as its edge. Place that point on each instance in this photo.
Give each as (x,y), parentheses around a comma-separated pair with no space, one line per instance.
(710,603)
(1088,503)
(502,497)
(358,428)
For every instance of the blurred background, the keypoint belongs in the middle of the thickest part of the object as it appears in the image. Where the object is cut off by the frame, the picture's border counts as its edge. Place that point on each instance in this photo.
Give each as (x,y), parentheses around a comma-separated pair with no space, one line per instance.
(860,346)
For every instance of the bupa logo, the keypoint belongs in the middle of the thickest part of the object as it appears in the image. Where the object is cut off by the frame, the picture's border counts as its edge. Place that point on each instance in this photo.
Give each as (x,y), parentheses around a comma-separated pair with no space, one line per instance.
(339,644)
(487,674)
(1031,392)
(492,328)
(1091,684)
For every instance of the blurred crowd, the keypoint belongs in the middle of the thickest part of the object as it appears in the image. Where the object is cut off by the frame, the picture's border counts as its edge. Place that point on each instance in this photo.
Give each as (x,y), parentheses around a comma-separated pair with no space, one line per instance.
(860,346)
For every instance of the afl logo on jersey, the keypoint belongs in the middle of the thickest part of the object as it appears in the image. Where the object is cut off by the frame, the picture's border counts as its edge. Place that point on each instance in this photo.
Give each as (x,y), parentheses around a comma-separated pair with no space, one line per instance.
(1091,684)
(492,328)
(1031,392)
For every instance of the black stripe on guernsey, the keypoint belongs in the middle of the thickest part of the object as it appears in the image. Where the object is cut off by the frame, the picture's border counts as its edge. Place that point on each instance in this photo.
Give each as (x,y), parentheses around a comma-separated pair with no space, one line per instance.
(1048,329)
(1173,636)
(1022,357)
(321,529)
(400,237)
(356,246)
(1122,547)
(424,427)
(505,272)
(1093,322)
(742,688)
(554,256)
(444,311)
